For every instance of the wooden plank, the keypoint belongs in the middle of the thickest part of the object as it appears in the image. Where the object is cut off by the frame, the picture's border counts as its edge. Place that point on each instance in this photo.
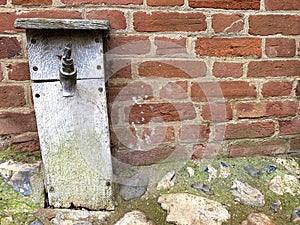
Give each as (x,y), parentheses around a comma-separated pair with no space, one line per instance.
(74,138)
(70,24)
(45,45)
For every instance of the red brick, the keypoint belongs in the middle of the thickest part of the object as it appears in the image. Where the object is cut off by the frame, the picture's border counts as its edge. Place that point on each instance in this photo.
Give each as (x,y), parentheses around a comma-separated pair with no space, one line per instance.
(158,135)
(295,145)
(158,112)
(7,21)
(226,4)
(1,73)
(3,2)
(194,133)
(282,4)
(118,68)
(251,148)
(245,130)
(280,47)
(17,123)
(9,47)
(274,24)
(266,109)
(135,91)
(173,69)
(106,2)
(274,68)
(116,18)
(225,89)
(272,89)
(289,127)
(169,21)
(298,88)
(165,2)
(145,157)
(28,142)
(128,45)
(168,46)
(207,151)
(228,47)
(12,96)
(227,23)
(174,90)
(216,112)
(18,71)
(31,2)
(123,137)
(228,69)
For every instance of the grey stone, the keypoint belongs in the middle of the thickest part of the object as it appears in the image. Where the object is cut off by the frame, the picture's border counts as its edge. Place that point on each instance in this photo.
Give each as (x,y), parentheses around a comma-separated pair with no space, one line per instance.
(246,194)
(276,206)
(188,209)
(224,170)
(36,222)
(257,219)
(285,184)
(18,175)
(190,171)
(295,217)
(253,172)
(167,181)
(134,217)
(202,187)
(212,173)
(134,187)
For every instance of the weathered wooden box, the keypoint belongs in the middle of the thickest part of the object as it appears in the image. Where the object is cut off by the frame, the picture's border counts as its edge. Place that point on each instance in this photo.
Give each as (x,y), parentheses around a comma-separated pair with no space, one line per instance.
(73,131)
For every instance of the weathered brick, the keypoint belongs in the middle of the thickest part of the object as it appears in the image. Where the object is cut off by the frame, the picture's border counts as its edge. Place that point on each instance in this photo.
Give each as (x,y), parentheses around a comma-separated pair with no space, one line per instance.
(295,145)
(251,148)
(123,137)
(226,4)
(207,151)
(158,135)
(18,71)
(245,130)
(282,4)
(280,47)
(227,69)
(228,47)
(274,24)
(158,112)
(168,46)
(289,127)
(174,90)
(169,21)
(3,2)
(12,96)
(31,2)
(7,21)
(107,2)
(128,45)
(28,142)
(165,2)
(227,23)
(135,91)
(1,73)
(274,68)
(203,91)
(17,123)
(266,109)
(216,112)
(173,69)
(194,133)
(298,88)
(116,18)
(145,157)
(118,68)
(273,88)
(9,47)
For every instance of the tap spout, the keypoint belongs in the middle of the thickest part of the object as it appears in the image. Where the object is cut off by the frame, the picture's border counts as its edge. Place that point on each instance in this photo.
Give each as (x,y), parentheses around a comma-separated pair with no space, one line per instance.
(67,72)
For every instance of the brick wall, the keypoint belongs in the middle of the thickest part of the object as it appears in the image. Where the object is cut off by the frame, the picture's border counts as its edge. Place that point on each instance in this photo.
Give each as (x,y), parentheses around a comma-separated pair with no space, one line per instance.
(201,77)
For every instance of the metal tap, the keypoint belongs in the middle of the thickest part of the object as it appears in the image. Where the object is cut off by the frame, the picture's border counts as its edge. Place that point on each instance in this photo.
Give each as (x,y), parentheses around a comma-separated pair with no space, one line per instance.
(67,73)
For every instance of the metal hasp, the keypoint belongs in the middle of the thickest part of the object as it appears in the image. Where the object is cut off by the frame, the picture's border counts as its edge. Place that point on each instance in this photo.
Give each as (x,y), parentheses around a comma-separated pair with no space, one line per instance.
(73,131)
(67,73)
